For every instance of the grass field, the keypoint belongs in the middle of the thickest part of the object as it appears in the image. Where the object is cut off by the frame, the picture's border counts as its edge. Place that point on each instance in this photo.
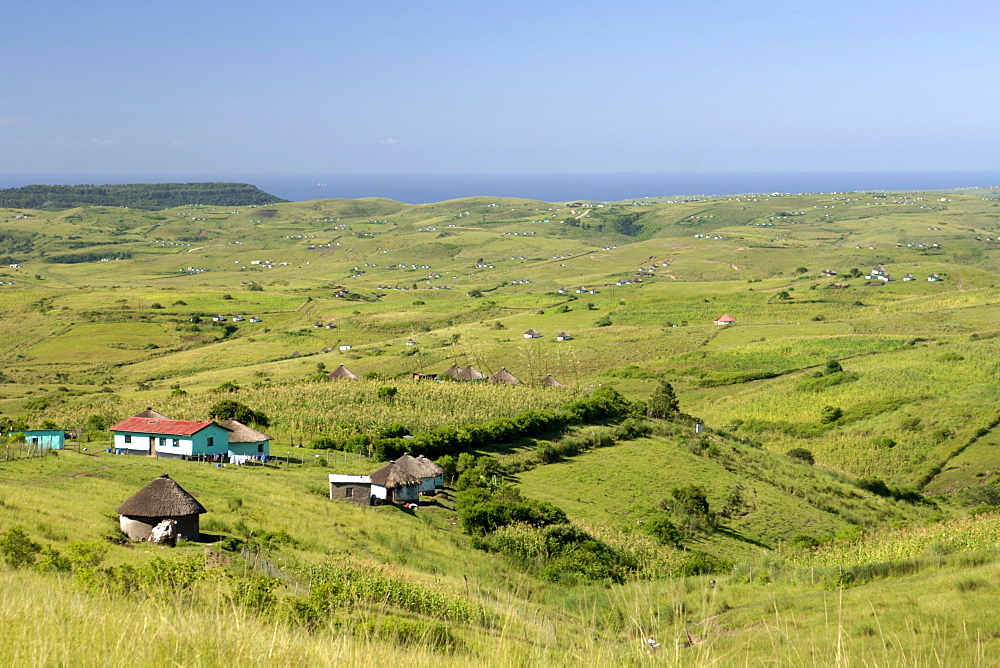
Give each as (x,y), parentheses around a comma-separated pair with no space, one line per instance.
(870,555)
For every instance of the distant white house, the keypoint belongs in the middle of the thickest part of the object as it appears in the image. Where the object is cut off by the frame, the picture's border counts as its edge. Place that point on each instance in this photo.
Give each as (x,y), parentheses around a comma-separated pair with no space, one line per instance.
(563,336)
(532,334)
(346,347)
(934,277)
(725,320)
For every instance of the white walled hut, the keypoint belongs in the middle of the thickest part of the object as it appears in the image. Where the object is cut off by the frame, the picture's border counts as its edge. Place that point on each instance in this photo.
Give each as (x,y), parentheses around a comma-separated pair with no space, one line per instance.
(393,483)
(430,474)
(160,500)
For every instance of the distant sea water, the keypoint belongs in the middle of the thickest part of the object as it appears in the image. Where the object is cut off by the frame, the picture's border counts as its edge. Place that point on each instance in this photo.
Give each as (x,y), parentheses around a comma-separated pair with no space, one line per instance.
(426,188)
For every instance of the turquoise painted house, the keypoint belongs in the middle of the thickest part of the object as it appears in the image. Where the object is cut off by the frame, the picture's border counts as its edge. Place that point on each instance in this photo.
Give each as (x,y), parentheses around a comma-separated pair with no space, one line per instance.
(153,435)
(171,439)
(51,439)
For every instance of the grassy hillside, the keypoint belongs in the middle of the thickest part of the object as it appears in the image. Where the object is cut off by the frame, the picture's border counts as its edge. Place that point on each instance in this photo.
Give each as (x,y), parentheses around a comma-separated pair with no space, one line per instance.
(879,550)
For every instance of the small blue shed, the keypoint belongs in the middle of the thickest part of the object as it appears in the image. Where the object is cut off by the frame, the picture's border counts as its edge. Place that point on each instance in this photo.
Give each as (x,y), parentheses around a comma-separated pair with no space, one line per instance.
(51,439)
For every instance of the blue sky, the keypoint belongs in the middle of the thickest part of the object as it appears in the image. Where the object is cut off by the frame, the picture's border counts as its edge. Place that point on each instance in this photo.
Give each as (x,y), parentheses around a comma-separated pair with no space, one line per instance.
(386,86)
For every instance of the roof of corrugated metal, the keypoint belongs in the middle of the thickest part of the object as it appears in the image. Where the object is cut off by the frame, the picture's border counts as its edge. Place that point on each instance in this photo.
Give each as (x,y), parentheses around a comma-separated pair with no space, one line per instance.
(156,426)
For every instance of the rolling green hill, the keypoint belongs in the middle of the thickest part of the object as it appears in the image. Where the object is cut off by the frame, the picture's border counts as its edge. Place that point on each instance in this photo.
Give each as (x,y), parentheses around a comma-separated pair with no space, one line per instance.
(884,385)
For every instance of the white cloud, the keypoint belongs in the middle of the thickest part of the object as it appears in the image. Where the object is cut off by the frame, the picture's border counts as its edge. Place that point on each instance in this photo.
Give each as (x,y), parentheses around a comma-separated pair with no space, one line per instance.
(386,142)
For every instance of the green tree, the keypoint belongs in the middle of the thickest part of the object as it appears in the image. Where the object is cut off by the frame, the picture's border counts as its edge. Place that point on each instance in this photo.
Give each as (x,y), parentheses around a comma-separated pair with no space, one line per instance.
(664,402)
(227,409)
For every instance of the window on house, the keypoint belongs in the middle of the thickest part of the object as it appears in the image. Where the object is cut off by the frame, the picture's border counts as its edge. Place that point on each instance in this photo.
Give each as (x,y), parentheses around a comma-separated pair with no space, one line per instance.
(128,438)
(260,447)
(348,491)
(211,441)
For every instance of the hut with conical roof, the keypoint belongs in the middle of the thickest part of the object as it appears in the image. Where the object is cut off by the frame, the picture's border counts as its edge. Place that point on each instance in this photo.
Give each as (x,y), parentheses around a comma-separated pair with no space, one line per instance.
(150,413)
(393,483)
(430,474)
(470,373)
(551,381)
(244,440)
(162,499)
(342,372)
(452,371)
(506,377)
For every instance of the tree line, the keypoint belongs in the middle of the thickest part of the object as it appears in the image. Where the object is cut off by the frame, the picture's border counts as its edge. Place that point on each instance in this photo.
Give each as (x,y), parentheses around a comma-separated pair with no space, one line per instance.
(149,196)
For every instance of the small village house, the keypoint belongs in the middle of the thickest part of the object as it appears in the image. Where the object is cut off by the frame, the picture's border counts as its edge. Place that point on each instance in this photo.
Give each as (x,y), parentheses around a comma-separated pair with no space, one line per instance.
(431,475)
(532,334)
(550,381)
(342,372)
(244,440)
(171,439)
(153,434)
(506,377)
(563,336)
(43,439)
(160,500)
(411,342)
(470,373)
(353,488)
(393,483)
(934,277)
(726,320)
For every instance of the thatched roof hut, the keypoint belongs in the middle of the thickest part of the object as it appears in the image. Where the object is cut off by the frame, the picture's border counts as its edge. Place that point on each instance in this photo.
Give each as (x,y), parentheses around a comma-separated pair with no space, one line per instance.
(470,373)
(400,485)
(504,376)
(150,413)
(451,371)
(551,381)
(240,433)
(430,474)
(342,372)
(160,500)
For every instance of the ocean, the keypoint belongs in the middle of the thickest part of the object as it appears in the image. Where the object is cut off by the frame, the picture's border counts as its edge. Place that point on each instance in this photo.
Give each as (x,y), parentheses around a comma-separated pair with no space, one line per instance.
(425,188)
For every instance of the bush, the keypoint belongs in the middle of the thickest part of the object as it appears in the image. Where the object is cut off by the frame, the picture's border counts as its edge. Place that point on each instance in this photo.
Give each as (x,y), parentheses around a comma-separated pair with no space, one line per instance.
(663,530)
(17,549)
(702,563)
(830,414)
(802,455)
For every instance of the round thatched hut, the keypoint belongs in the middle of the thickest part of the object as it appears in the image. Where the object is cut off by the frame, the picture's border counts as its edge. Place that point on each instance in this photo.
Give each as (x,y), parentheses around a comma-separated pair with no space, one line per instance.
(160,500)
(394,483)
(342,372)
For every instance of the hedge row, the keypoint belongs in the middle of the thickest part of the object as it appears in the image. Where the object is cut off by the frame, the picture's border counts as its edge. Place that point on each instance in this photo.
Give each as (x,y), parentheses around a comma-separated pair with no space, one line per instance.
(603,404)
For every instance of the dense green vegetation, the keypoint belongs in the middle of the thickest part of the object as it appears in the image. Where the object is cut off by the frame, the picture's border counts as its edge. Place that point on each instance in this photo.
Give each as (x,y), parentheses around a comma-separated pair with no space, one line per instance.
(830,454)
(151,196)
